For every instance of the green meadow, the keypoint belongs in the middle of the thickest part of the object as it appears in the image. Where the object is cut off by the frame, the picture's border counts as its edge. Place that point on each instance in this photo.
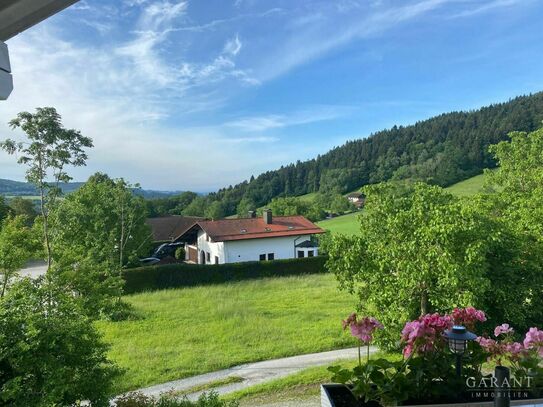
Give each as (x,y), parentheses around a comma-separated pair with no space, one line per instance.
(184,332)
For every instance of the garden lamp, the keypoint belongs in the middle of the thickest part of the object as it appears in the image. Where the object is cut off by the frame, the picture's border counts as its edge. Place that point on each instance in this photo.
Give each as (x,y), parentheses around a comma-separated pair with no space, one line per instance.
(458,338)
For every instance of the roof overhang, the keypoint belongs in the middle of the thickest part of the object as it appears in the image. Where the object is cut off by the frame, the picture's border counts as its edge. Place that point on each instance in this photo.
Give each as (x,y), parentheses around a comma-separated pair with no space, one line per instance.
(18,15)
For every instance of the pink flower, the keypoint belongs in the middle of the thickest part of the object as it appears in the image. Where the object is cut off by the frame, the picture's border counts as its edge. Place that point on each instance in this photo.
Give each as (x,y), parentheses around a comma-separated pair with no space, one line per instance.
(486,343)
(350,319)
(362,329)
(515,349)
(496,349)
(502,329)
(468,317)
(534,340)
(425,334)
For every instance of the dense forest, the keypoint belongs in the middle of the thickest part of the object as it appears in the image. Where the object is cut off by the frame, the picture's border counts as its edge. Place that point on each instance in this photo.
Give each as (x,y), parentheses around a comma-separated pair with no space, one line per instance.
(442,150)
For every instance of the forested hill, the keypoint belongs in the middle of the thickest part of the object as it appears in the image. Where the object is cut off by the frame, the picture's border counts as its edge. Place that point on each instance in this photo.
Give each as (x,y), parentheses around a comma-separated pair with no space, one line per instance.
(441,150)
(17,188)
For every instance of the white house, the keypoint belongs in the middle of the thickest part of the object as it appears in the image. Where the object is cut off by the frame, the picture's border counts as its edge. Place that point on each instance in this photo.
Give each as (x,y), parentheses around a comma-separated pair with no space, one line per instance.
(357,198)
(250,239)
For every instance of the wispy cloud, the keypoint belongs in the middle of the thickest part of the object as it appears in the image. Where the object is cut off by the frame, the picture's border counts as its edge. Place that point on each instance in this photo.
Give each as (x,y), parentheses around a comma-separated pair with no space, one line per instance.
(233,46)
(488,6)
(315,33)
(254,139)
(277,121)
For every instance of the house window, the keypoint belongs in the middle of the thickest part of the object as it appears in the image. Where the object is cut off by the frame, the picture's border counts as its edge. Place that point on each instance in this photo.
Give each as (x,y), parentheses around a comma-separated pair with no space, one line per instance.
(208,257)
(216,259)
(310,253)
(271,256)
(207,237)
(262,257)
(300,254)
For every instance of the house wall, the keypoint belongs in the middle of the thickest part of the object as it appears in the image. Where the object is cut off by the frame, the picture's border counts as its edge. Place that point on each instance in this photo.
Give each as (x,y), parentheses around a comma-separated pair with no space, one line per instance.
(250,250)
(213,248)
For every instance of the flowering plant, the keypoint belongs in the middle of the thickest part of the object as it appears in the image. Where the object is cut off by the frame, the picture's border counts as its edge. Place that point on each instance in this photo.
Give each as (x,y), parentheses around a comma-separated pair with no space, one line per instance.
(362,329)
(523,358)
(427,371)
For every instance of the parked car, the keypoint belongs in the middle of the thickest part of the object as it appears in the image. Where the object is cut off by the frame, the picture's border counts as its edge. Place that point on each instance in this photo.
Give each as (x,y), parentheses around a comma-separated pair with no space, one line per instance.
(166,249)
(149,261)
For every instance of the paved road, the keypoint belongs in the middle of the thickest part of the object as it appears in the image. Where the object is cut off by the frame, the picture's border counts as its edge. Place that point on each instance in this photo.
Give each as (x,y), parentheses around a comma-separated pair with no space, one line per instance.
(254,373)
(34,269)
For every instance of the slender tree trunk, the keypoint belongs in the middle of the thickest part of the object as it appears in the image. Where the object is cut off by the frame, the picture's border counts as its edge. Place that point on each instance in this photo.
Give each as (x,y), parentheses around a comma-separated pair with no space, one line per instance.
(45,227)
(424,302)
(121,240)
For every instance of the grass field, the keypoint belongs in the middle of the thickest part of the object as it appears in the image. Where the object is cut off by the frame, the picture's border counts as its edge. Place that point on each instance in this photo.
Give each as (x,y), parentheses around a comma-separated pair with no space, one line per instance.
(345,224)
(185,332)
(468,187)
(348,224)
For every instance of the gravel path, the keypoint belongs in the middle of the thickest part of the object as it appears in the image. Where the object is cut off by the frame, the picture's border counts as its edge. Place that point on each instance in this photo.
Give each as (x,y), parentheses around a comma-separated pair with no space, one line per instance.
(254,373)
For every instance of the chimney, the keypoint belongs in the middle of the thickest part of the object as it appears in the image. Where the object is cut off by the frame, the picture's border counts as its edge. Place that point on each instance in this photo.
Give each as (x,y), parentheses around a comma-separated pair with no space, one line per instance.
(267,216)
(252,214)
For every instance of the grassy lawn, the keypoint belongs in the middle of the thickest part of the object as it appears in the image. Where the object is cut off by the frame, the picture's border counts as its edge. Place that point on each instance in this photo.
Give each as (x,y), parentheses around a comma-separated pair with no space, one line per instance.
(346,224)
(185,332)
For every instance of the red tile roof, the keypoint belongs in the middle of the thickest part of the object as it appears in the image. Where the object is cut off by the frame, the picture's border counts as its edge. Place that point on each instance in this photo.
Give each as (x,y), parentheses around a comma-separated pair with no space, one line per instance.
(169,228)
(255,228)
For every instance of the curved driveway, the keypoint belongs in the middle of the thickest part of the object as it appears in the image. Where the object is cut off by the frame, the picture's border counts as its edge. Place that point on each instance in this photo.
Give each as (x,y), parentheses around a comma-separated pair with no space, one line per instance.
(253,373)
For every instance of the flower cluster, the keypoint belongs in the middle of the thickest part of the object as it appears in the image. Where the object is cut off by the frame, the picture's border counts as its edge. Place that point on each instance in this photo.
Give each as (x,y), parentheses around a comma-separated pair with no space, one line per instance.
(363,328)
(467,317)
(506,348)
(425,334)
(503,329)
(534,340)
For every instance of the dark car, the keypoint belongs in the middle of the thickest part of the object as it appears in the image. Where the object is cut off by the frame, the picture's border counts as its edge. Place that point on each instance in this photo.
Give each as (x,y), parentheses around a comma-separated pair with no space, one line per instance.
(166,250)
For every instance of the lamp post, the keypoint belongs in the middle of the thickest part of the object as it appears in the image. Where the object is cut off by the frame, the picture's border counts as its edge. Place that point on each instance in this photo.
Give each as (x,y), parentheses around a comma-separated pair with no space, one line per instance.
(458,338)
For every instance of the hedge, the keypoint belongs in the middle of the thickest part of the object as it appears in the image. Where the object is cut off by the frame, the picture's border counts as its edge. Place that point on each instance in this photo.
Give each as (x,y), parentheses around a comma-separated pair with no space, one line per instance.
(188,275)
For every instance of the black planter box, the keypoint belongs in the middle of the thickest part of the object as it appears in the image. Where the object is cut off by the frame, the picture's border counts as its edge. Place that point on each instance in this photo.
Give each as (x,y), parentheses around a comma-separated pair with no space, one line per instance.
(339,395)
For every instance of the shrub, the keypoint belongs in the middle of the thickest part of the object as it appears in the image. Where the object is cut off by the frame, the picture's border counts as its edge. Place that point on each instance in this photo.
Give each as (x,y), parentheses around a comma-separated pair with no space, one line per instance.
(51,353)
(180,253)
(210,399)
(189,275)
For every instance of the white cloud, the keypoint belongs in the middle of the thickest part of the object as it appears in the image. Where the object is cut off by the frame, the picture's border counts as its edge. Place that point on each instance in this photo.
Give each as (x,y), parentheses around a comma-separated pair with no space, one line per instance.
(276,121)
(233,46)
(112,99)
(489,6)
(314,33)
(157,14)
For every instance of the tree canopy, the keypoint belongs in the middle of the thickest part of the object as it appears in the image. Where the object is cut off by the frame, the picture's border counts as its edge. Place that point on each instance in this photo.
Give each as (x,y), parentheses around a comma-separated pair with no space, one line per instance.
(99,230)
(48,150)
(51,353)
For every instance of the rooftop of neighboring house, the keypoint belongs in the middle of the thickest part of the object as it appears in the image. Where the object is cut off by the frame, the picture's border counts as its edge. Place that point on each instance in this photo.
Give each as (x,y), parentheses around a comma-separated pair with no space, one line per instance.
(169,228)
(355,195)
(257,227)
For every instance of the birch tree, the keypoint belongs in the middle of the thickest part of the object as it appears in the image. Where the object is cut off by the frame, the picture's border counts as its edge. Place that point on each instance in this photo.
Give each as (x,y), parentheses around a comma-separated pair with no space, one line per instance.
(47,152)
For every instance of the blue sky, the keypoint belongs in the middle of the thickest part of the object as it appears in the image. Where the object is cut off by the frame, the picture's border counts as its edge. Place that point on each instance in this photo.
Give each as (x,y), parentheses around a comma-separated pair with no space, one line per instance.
(201,94)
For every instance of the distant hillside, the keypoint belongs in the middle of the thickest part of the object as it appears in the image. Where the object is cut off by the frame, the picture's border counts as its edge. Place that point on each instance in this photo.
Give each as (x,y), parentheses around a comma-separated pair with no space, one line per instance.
(348,224)
(441,150)
(16,188)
